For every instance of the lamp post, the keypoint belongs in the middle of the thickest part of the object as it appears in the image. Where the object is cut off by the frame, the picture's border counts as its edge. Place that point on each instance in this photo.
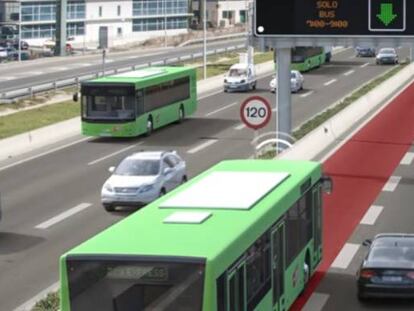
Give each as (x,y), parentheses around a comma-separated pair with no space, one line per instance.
(19,40)
(165,23)
(205,39)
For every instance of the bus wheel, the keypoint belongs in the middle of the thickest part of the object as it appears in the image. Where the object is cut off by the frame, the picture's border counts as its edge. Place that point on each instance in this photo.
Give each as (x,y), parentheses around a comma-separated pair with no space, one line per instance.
(181,114)
(150,127)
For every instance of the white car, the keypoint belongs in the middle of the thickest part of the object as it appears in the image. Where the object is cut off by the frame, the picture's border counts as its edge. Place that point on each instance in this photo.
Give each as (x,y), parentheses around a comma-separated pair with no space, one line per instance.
(240,77)
(296,82)
(3,52)
(143,177)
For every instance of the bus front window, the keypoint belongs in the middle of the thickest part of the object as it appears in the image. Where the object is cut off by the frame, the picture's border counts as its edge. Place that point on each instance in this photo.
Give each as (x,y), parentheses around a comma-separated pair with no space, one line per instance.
(110,107)
(134,285)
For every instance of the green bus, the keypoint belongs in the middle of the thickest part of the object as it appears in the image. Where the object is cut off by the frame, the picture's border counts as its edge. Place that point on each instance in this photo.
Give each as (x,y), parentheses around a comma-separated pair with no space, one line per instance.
(307,58)
(137,102)
(244,235)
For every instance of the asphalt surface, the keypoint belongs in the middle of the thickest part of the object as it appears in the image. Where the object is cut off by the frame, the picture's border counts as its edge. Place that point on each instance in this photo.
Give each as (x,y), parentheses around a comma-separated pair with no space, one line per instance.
(38,190)
(27,74)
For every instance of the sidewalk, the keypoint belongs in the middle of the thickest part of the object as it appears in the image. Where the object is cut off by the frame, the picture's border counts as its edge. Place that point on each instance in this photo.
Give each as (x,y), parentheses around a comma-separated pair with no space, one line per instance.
(26,142)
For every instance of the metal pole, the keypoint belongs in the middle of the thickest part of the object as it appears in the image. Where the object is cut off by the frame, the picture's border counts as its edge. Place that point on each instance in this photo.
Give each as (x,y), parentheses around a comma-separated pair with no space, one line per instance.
(283,96)
(60,42)
(20,32)
(103,62)
(205,39)
(165,23)
(412,53)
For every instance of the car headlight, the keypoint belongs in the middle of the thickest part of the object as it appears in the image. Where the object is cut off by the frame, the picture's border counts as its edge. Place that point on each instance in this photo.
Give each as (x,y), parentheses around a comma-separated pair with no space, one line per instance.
(146,188)
(108,187)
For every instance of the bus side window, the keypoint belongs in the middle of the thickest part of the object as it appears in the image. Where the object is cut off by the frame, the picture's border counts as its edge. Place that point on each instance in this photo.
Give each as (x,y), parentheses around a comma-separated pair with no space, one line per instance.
(140,102)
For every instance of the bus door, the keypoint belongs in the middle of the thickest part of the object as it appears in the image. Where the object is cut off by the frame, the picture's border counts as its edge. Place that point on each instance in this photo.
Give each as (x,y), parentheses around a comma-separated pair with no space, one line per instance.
(278,266)
(236,287)
(317,223)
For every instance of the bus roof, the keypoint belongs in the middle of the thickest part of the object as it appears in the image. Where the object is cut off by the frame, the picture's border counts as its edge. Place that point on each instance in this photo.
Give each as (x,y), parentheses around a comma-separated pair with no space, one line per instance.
(164,228)
(144,74)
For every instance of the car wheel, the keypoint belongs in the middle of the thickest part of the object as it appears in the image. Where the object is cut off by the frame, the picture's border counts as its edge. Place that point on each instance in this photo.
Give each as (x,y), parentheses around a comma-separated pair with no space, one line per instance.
(184,179)
(162,192)
(181,114)
(225,90)
(150,127)
(254,86)
(108,207)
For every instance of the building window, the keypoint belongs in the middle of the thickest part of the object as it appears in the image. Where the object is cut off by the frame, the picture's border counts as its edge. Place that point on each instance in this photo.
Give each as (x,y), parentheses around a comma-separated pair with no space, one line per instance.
(159,7)
(119,32)
(119,11)
(100,11)
(46,11)
(48,30)
(242,14)
(152,24)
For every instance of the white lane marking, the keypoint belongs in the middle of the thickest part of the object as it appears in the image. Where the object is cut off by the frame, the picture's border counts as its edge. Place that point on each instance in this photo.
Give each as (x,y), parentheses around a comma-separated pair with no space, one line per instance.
(221,109)
(114,154)
(372,214)
(45,153)
(132,57)
(202,146)
(109,60)
(316,302)
(392,183)
(83,64)
(240,127)
(33,73)
(62,216)
(7,78)
(28,305)
(364,65)
(349,72)
(307,94)
(408,158)
(59,68)
(330,82)
(345,256)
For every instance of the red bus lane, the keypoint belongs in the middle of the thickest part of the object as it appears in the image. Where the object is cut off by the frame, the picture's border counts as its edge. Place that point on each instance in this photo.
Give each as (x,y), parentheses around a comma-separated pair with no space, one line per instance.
(359,170)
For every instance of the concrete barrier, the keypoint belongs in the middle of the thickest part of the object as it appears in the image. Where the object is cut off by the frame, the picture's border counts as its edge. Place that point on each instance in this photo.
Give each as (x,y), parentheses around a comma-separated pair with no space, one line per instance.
(334,130)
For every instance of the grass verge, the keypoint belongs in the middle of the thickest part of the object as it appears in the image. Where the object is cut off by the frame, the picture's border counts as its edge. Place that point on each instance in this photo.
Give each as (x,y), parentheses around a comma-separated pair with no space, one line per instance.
(50,303)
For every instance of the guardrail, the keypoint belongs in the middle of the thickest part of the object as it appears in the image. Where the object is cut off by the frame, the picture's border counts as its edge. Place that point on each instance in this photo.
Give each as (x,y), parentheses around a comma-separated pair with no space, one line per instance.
(10,96)
(199,40)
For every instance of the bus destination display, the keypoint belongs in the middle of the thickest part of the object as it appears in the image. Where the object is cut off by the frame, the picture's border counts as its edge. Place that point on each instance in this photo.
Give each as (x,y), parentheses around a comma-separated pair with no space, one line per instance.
(343,18)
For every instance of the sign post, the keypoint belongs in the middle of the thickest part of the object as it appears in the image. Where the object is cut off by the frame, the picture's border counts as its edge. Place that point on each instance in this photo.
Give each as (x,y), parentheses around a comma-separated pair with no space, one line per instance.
(255,113)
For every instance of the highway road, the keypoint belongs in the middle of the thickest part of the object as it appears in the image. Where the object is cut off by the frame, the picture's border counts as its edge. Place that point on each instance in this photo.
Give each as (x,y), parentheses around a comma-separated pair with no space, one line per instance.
(69,179)
(26,74)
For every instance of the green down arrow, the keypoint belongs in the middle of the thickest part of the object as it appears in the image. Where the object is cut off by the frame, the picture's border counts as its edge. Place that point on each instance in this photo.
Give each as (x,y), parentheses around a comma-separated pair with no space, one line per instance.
(386,16)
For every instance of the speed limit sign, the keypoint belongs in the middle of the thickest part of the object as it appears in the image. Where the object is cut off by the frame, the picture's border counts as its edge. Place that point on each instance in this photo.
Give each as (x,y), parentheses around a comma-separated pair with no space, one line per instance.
(255,112)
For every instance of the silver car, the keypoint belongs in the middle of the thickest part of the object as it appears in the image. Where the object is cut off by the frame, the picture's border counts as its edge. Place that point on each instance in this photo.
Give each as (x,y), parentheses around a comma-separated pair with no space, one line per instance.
(143,177)
(296,82)
(387,56)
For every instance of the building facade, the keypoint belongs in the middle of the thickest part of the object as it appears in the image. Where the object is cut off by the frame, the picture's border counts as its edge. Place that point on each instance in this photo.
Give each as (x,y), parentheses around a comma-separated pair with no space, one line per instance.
(222,13)
(123,20)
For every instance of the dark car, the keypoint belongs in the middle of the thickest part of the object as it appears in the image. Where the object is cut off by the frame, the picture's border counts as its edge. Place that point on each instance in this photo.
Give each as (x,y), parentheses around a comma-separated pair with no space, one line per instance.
(387,56)
(388,268)
(363,51)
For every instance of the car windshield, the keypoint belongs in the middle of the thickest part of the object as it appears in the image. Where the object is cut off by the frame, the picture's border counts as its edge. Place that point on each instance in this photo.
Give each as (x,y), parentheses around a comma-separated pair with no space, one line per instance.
(293,75)
(387,51)
(398,253)
(237,72)
(138,167)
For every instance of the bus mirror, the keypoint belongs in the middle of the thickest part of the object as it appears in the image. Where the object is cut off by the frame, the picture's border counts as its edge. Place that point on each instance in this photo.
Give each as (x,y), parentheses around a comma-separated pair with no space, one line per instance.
(327,184)
(75,97)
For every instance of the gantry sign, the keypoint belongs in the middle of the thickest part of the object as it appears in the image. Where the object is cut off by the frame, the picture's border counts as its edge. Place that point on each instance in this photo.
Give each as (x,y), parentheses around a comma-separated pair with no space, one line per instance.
(334,18)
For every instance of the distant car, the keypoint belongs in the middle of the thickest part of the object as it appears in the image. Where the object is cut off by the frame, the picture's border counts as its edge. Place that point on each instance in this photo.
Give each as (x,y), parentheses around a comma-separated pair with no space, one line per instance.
(143,177)
(240,77)
(387,56)
(3,52)
(363,51)
(296,82)
(23,45)
(388,268)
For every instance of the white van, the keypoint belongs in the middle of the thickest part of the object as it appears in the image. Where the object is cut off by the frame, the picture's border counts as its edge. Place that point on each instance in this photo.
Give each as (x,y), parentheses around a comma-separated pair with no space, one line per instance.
(240,77)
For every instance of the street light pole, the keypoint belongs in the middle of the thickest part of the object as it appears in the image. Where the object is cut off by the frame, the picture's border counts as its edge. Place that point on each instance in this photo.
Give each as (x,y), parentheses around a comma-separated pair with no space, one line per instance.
(20,32)
(205,39)
(165,23)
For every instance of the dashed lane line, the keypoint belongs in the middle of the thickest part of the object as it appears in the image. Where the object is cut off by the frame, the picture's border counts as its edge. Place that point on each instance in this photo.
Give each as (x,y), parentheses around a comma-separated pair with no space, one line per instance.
(345,256)
(62,216)
(202,146)
(364,65)
(240,127)
(349,72)
(330,82)
(221,109)
(114,154)
(307,94)
(316,302)
(407,159)
(371,215)
(392,183)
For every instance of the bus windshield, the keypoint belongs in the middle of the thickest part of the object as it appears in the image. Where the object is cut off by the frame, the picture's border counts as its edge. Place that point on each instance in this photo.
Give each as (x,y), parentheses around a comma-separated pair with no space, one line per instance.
(108,102)
(133,285)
